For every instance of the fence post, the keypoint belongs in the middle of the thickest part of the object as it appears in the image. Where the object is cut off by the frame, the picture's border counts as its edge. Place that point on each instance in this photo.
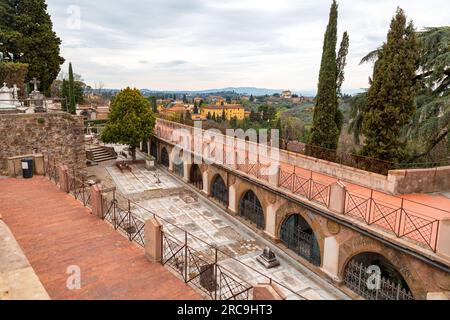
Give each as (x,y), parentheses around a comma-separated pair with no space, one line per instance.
(337,197)
(63,178)
(153,240)
(129,221)
(97,200)
(215,273)
(185,262)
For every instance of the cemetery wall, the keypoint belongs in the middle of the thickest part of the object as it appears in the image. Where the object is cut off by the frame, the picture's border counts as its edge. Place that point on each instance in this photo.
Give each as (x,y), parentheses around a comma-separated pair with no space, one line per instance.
(59,135)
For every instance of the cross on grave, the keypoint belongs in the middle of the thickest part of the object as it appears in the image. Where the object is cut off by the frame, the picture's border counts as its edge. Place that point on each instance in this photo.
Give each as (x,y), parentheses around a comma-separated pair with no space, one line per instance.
(35,83)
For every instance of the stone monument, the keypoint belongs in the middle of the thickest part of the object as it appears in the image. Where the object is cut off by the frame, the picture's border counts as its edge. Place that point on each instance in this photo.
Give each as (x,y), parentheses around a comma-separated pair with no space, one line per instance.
(37,98)
(268,259)
(7,101)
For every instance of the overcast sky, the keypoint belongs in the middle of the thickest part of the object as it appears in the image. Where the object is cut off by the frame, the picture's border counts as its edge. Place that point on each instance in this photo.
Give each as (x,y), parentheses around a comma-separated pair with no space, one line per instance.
(204,44)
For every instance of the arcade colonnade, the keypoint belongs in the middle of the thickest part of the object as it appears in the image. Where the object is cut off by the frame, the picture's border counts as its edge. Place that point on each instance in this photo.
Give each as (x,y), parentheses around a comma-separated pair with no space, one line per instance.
(329,249)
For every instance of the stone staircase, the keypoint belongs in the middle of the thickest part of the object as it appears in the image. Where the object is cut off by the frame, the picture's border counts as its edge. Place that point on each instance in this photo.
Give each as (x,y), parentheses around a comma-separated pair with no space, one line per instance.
(100,154)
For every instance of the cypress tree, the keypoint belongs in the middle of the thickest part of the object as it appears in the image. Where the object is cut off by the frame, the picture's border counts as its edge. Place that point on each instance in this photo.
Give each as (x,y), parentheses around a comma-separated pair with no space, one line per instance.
(72,103)
(325,132)
(64,95)
(390,99)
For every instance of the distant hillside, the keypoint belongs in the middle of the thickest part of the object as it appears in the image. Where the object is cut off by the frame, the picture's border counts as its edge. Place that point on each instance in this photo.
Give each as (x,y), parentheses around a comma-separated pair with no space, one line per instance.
(238,90)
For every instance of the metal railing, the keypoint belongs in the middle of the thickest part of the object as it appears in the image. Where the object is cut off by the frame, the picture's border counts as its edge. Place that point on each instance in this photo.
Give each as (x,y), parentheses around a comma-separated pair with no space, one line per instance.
(396,218)
(357,277)
(200,267)
(77,184)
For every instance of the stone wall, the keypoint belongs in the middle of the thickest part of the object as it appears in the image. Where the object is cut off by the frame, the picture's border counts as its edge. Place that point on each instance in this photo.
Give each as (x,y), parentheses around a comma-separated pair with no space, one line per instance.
(58,135)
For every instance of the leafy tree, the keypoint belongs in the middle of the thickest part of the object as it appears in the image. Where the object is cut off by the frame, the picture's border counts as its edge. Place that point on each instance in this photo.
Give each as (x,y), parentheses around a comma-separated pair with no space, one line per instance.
(327,119)
(130,121)
(252,98)
(224,116)
(72,102)
(390,99)
(26,36)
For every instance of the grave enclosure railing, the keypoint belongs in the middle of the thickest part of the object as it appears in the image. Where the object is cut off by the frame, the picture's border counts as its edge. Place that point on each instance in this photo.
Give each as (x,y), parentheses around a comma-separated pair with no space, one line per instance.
(401,217)
(77,184)
(202,268)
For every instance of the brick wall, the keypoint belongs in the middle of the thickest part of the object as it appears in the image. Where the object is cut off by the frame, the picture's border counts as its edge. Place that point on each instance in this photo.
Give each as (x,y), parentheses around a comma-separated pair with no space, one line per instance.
(58,134)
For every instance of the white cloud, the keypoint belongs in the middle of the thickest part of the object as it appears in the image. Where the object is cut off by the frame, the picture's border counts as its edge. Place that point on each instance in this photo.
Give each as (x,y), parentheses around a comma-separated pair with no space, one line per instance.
(199,44)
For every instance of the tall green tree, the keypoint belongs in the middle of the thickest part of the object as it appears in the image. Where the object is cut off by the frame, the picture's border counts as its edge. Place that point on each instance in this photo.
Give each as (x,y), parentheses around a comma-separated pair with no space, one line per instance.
(325,130)
(390,99)
(153,104)
(72,102)
(27,36)
(130,121)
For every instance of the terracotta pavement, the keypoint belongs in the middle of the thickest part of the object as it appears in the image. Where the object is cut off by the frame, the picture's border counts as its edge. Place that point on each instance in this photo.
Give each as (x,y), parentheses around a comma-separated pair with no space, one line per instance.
(55,232)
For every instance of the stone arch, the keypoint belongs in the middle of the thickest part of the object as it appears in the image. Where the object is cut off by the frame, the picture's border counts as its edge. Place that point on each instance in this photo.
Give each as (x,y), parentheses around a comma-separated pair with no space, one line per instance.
(288,209)
(165,157)
(196,176)
(356,277)
(298,235)
(219,190)
(251,209)
(178,164)
(360,244)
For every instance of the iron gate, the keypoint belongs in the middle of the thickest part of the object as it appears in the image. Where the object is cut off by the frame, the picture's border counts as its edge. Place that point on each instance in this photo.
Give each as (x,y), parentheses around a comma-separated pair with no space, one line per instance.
(154,150)
(251,209)
(196,177)
(164,158)
(357,279)
(219,190)
(298,236)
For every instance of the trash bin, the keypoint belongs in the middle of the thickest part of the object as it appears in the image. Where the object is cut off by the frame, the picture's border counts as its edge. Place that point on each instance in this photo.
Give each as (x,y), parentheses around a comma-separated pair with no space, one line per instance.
(27,168)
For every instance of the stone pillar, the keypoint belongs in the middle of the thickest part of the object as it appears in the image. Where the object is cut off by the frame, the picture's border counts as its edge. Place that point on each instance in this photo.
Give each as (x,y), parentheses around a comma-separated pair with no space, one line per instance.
(274,176)
(149,152)
(443,239)
(186,171)
(271,216)
(153,240)
(331,258)
(267,292)
(63,178)
(39,164)
(97,200)
(206,183)
(233,202)
(337,197)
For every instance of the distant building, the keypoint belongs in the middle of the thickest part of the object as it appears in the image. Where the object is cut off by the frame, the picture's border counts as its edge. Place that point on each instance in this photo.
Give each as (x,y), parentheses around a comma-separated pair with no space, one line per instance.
(231,111)
(217,100)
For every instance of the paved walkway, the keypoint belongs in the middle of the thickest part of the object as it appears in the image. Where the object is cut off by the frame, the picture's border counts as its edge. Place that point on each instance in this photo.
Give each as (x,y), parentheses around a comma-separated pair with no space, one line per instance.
(55,232)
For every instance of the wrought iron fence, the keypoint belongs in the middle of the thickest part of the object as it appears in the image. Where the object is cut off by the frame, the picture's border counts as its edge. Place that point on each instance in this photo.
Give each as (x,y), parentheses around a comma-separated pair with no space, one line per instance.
(397,219)
(79,188)
(312,189)
(124,220)
(202,270)
(51,169)
(357,279)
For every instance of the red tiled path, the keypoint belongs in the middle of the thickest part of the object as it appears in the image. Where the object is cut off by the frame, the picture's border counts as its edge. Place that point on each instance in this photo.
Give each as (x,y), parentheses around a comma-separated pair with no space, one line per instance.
(55,231)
